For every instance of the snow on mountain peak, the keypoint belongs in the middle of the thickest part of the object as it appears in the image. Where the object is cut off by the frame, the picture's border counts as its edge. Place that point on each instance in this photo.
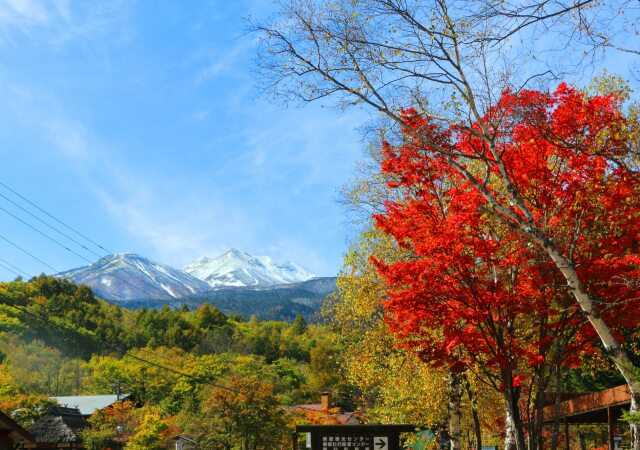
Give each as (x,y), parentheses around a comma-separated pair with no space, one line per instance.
(238,268)
(125,276)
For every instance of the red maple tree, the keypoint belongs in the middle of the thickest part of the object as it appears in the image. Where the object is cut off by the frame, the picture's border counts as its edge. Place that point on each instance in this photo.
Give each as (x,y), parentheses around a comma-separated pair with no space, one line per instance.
(479,289)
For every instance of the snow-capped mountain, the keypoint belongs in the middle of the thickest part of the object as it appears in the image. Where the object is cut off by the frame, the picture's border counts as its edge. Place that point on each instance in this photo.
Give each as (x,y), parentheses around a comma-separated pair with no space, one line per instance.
(126,276)
(236,268)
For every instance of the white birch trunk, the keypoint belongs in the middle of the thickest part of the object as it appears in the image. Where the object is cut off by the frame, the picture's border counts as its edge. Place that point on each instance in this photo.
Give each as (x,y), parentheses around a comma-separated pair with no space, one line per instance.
(611,345)
(455,396)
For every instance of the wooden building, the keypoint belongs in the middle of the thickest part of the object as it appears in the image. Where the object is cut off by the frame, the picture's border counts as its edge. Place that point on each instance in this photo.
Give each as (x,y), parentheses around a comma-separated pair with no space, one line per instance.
(12,435)
(603,407)
(59,428)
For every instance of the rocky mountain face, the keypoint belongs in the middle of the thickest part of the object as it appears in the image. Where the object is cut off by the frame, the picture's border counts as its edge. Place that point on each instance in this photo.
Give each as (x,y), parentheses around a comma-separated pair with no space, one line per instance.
(237,268)
(235,282)
(126,276)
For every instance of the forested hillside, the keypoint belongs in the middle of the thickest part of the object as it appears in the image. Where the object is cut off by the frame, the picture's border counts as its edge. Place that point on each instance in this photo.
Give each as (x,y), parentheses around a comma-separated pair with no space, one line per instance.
(179,365)
(281,302)
(196,371)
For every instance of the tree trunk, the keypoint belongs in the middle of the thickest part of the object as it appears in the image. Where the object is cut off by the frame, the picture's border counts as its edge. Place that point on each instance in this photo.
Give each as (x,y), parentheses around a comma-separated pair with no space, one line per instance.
(556,409)
(611,345)
(512,397)
(477,430)
(524,220)
(538,419)
(455,396)
(509,435)
(583,443)
(635,425)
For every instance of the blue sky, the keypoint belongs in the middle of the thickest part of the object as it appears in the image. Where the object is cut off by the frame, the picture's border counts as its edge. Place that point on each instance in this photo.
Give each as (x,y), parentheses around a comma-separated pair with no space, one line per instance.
(138,124)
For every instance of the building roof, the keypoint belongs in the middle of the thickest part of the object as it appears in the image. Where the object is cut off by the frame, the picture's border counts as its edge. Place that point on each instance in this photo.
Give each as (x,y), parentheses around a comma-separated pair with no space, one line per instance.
(11,431)
(591,407)
(60,425)
(342,417)
(88,404)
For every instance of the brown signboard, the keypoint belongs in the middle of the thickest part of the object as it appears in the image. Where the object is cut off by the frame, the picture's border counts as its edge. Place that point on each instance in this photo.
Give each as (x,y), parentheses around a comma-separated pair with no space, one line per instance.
(354,437)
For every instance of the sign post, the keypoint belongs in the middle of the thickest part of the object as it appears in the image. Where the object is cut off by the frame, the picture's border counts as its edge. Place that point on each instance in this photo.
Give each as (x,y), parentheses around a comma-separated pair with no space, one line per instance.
(354,437)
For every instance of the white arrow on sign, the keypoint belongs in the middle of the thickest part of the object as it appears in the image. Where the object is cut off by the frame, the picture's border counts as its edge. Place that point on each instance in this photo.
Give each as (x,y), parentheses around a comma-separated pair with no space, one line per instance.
(381,443)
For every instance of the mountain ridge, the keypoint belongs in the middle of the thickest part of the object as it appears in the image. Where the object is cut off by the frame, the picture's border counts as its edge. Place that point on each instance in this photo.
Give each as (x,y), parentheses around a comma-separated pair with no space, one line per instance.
(129,276)
(281,302)
(238,268)
(123,276)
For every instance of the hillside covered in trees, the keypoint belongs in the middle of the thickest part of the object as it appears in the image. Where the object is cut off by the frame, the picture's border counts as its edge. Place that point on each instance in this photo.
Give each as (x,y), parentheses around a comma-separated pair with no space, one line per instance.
(180,366)
(195,372)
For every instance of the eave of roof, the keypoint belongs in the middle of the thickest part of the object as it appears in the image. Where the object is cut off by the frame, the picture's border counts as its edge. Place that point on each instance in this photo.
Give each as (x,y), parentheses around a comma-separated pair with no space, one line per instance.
(13,429)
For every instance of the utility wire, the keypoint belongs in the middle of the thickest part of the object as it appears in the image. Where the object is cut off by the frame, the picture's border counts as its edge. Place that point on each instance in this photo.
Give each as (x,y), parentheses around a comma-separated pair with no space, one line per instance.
(140,278)
(57,271)
(45,235)
(54,218)
(50,226)
(59,326)
(10,270)
(14,267)
(151,363)
(127,353)
(29,254)
(75,253)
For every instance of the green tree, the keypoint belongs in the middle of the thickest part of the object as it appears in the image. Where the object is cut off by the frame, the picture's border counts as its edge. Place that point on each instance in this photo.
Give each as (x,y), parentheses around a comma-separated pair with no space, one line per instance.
(299,325)
(148,434)
(247,414)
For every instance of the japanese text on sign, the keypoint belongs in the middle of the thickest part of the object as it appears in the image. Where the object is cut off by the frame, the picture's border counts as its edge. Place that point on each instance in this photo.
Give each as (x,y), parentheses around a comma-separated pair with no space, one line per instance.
(346,442)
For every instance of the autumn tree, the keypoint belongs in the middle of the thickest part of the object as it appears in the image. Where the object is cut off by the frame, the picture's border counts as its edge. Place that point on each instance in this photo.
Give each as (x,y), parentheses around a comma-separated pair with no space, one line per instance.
(393,386)
(466,298)
(516,339)
(112,427)
(358,312)
(582,200)
(437,58)
(246,415)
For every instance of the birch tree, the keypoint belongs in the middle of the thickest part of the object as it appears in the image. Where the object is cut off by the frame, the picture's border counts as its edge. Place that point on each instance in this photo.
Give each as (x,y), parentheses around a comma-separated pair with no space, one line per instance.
(449,60)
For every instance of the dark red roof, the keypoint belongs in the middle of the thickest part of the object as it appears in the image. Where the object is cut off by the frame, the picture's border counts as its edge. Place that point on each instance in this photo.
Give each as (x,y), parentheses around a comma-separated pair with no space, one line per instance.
(341,416)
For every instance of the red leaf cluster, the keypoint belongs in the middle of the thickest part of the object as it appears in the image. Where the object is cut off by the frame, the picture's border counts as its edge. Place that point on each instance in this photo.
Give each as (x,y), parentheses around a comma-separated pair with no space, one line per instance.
(476,289)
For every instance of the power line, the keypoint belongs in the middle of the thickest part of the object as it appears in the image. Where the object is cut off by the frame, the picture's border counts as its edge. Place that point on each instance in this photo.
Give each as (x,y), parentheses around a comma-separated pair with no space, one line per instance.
(16,268)
(127,353)
(10,270)
(166,358)
(45,235)
(50,226)
(54,218)
(77,254)
(140,278)
(85,259)
(57,271)
(29,254)
(152,363)
(177,372)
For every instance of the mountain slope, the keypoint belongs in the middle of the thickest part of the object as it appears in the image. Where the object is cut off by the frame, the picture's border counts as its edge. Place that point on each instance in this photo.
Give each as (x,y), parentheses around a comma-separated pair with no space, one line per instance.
(126,276)
(236,268)
(281,302)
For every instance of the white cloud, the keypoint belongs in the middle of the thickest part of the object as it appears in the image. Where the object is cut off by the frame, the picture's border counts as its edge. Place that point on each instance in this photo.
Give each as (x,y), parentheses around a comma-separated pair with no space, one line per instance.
(61,22)
(68,137)
(47,117)
(175,230)
(225,61)
(23,12)
(266,155)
